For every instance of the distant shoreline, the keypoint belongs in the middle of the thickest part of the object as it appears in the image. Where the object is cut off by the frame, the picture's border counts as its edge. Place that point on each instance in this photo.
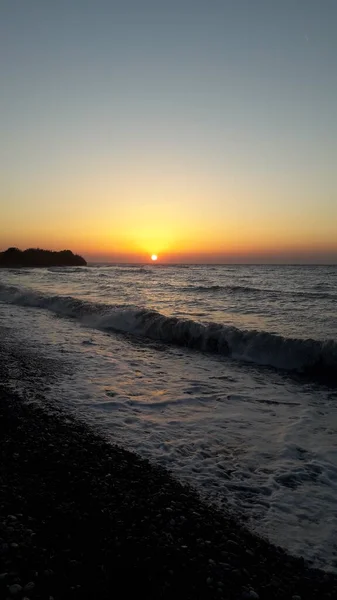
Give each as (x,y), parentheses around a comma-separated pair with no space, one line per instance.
(38,258)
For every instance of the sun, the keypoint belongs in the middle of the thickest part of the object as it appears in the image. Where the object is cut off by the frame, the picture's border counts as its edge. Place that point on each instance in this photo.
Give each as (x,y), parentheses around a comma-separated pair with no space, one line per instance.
(154,257)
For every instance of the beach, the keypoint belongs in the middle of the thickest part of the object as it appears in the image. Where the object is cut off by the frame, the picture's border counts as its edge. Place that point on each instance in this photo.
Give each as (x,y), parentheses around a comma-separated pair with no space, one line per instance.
(168,293)
(83,518)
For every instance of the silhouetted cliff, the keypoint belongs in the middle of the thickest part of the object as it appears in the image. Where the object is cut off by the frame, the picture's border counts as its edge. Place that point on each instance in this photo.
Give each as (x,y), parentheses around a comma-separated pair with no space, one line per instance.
(35,257)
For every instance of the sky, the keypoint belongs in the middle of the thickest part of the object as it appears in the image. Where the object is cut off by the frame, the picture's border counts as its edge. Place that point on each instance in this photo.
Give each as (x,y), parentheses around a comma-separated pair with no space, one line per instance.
(198,131)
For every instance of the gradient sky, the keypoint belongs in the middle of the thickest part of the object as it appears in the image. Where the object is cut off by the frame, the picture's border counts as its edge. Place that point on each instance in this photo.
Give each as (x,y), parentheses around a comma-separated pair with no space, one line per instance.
(199,131)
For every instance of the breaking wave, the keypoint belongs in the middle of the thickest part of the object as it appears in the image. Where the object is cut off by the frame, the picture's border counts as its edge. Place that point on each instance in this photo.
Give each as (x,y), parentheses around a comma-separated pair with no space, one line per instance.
(314,357)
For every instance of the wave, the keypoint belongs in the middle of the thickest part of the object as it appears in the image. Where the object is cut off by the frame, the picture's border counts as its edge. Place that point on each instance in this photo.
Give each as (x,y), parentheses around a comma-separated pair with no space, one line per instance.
(66,269)
(132,269)
(314,357)
(242,289)
(219,288)
(17,271)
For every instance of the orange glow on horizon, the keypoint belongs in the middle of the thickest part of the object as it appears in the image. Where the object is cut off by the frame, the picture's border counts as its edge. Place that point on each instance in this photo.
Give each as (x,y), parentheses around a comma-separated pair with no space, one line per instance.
(198,248)
(177,220)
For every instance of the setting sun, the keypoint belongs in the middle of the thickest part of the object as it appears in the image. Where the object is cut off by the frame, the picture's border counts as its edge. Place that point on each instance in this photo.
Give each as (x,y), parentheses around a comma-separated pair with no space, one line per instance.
(154,257)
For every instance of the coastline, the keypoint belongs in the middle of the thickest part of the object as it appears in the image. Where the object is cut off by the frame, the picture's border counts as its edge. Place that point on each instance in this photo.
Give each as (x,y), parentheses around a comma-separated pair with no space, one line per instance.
(13,258)
(81,518)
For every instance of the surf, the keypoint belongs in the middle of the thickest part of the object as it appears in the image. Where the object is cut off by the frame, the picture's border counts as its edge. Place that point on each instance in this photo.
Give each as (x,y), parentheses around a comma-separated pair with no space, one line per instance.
(309,356)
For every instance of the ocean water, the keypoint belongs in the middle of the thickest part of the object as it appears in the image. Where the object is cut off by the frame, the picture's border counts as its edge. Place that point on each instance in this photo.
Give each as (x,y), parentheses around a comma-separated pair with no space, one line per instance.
(226,375)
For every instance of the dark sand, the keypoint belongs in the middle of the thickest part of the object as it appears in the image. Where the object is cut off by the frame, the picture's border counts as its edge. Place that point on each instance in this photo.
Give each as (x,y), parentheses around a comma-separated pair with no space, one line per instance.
(80,518)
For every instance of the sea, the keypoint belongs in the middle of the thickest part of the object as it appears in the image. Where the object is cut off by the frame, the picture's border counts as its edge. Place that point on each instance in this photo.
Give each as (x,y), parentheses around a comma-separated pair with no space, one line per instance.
(225,375)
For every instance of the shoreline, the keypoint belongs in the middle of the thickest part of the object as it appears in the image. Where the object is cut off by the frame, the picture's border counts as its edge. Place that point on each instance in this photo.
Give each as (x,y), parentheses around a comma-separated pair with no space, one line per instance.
(81,518)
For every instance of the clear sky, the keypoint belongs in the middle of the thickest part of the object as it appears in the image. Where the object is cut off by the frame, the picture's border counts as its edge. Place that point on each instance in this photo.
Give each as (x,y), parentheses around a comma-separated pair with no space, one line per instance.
(199,131)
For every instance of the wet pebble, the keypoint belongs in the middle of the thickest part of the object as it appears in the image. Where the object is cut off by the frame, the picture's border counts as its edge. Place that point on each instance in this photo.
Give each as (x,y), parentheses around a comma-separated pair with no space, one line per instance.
(250,595)
(15,589)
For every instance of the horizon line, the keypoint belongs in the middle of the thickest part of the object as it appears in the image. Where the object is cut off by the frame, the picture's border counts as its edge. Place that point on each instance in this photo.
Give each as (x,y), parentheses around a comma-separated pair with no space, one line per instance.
(213,264)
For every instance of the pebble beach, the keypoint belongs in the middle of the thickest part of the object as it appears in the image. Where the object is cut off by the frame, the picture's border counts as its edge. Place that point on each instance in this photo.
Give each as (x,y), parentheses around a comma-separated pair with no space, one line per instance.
(82,518)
